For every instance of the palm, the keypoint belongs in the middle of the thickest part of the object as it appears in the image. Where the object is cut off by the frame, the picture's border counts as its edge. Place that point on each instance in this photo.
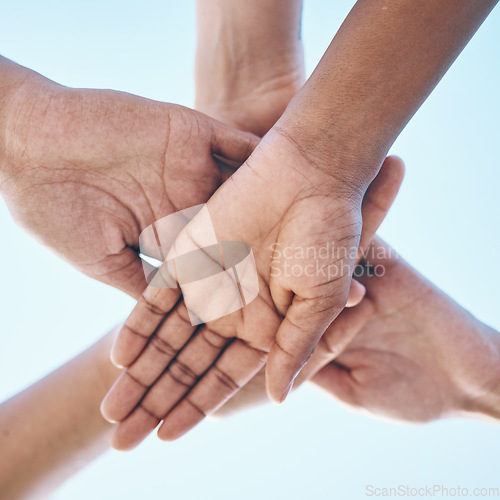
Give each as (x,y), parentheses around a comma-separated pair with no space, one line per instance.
(407,352)
(100,166)
(419,357)
(298,216)
(392,365)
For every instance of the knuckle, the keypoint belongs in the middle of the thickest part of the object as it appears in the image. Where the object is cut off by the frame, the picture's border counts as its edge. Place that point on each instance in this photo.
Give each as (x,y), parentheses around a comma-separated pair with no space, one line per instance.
(182,374)
(152,307)
(224,379)
(134,331)
(164,347)
(213,338)
(284,350)
(196,407)
(135,378)
(152,412)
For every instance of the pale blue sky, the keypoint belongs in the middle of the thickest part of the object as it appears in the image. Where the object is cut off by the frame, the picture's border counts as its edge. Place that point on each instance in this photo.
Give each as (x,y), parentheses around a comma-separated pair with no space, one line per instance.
(445,222)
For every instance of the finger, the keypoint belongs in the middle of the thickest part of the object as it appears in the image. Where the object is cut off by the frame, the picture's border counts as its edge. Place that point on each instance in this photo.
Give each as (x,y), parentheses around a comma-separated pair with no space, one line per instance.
(305,322)
(170,388)
(378,199)
(356,293)
(134,382)
(336,339)
(231,143)
(185,371)
(182,374)
(337,381)
(253,394)
(237,365)
(144,319)
(133,430)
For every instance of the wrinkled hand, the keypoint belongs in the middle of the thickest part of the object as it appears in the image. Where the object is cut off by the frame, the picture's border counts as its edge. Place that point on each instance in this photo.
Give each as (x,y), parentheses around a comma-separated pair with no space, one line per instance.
(419,357)
(90,169)
(307,219)
(247,105)
(249,61)
(407,352)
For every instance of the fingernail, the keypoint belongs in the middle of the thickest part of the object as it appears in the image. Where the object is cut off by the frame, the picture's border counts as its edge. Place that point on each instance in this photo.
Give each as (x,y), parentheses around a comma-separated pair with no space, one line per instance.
(287,391)
(289,387)
(114,361)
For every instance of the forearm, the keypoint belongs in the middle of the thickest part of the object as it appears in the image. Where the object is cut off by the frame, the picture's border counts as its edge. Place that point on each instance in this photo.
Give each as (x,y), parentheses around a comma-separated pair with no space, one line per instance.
(382,64)
(54,428)
(247,49)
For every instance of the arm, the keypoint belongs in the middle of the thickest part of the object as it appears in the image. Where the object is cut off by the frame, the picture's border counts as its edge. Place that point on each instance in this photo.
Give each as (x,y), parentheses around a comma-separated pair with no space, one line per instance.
(384,61)
(54,428)
(249,60)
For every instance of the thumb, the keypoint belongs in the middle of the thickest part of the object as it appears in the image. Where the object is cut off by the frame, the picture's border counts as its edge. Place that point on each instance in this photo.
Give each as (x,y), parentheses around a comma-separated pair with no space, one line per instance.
(337,338)
(305,322)
(230,145)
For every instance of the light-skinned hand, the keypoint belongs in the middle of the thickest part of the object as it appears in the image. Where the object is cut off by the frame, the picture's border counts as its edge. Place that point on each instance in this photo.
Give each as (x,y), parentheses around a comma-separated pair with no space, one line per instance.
(225,354)
(85,171)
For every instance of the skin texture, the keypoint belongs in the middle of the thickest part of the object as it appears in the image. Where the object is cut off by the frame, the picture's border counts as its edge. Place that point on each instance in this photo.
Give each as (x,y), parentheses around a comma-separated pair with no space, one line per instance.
(85,171)
(408,352)
(66,405)
(303,186)
(132,387)
(249,60)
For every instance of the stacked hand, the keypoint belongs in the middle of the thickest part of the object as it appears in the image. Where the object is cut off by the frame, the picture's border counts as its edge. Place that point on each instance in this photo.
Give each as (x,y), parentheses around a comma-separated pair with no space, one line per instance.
(223,355)
(85,171)
(282,202)
(412,354)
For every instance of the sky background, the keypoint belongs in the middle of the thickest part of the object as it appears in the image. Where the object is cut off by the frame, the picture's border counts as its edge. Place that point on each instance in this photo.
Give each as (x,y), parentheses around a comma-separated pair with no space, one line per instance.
(445,222)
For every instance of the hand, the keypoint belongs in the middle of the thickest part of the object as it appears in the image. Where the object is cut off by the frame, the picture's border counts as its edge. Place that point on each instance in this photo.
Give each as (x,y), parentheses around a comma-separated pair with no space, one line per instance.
(419,357)
(407,352)
(247,334)
(85,171)
(249,60)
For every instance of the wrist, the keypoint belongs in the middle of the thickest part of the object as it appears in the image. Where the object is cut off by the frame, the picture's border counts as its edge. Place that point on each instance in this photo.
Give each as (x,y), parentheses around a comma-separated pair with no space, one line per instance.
(348,167)
(249,60)
(248,40)
(340,136)
(248,92)
(252,104)
(481,397)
